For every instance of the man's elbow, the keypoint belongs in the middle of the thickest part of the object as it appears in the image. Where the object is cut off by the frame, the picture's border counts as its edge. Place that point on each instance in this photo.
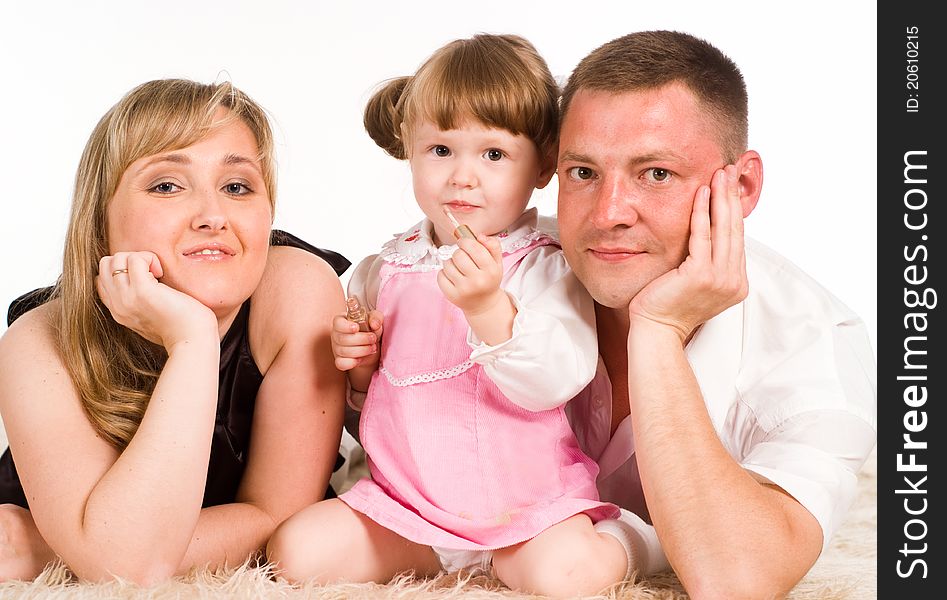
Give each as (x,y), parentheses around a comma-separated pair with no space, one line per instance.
(735,582)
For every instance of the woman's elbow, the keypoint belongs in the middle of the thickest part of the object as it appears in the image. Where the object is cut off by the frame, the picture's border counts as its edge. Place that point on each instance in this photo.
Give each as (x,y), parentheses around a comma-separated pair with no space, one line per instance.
(144,573)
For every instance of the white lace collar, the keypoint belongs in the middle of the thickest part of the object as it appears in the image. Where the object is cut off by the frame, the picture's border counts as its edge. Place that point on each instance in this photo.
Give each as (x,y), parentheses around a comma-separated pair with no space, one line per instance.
(416,245)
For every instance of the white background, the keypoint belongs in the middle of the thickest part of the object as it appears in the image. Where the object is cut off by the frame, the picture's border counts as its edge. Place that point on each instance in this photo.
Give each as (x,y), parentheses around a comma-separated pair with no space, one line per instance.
(809,67)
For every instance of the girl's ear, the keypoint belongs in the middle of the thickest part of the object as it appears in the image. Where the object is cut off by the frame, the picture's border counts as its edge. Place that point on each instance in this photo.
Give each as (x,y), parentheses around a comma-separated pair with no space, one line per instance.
(547,168)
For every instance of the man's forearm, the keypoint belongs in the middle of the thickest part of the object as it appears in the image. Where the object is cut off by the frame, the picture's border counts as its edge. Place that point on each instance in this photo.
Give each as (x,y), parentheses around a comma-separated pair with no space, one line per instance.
(725,534)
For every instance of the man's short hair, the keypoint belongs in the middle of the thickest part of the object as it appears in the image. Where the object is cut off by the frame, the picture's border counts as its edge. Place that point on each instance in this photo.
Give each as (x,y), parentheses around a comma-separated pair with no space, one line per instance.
(651,59)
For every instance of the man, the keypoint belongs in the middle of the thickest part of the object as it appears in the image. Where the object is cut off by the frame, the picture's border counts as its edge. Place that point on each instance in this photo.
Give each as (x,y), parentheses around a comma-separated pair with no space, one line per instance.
(742,400)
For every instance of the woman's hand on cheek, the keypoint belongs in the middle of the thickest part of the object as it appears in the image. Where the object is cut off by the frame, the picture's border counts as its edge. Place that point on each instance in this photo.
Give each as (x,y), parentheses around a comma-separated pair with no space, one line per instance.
(128,286)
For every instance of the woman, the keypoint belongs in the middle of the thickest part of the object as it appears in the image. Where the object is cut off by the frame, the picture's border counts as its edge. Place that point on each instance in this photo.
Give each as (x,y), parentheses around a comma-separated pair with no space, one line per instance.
(176,398)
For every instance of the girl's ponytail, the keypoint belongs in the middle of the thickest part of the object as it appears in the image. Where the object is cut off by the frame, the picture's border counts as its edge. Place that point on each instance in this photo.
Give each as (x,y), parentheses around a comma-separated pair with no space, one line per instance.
(383,117)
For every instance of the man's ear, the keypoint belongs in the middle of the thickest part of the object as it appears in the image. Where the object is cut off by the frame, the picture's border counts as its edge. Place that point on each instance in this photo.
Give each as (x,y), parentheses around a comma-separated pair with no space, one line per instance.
(750,167)
(547,168)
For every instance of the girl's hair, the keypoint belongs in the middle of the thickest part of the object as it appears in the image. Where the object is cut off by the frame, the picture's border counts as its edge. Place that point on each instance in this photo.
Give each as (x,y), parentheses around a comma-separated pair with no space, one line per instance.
(498,80)
(113,369)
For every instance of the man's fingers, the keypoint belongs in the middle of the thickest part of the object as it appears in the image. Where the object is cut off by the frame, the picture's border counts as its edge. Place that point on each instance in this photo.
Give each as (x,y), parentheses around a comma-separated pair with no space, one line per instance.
(698,244)
(720,226)
(737,239)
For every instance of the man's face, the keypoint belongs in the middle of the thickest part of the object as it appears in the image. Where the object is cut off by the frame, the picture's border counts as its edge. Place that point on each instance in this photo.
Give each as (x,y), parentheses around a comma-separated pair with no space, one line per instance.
(629,168)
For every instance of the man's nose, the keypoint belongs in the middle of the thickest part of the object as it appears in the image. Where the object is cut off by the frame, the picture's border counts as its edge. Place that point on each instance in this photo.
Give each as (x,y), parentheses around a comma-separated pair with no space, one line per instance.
(615,204)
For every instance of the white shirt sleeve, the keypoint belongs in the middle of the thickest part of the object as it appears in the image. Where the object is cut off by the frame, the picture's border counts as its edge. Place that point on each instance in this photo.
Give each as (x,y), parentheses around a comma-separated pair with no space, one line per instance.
(364,281)
(364,284)
(805,419)
(815,457)
(553,351)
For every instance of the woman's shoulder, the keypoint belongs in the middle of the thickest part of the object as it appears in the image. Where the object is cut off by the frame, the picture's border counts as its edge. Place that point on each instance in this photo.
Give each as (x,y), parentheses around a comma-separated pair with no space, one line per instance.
(293,273)
(32,330)
(29,352)
(299,293)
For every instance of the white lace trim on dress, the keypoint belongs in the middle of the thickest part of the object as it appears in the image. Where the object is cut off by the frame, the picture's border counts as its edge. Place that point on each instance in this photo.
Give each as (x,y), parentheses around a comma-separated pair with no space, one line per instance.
(427,377)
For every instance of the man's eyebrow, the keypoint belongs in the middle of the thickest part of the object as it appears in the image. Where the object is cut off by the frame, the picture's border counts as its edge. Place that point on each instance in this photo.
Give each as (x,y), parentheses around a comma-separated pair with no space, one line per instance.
(663,156)
(570,156)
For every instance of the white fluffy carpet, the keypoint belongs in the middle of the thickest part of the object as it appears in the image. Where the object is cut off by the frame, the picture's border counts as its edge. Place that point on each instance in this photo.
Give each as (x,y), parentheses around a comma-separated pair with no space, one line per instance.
(846,571)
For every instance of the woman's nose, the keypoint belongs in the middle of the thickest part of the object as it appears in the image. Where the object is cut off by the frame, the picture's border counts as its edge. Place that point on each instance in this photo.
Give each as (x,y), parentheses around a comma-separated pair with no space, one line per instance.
(210,213)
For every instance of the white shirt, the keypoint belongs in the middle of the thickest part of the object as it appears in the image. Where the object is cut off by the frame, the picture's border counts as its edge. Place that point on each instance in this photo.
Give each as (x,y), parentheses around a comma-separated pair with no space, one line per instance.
(789,380)
(551,355)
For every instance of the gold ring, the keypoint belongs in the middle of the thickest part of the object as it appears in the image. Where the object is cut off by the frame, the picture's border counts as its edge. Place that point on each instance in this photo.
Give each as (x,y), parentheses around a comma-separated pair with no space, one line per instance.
(117,271)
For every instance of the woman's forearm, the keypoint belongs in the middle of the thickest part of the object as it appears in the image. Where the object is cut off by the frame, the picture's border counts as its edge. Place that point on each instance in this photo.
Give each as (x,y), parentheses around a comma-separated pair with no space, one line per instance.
(217,542)
(140,517)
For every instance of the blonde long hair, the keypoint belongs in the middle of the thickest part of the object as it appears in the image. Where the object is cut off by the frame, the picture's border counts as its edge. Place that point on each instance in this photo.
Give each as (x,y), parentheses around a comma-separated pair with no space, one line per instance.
(113,369)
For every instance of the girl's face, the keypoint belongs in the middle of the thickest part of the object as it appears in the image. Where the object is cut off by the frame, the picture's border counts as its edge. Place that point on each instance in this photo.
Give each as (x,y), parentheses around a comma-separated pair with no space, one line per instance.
(484,176)
(204,211)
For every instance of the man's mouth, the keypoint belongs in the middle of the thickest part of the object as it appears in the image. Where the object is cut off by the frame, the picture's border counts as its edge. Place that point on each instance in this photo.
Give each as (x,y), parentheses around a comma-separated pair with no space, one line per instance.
(614,254)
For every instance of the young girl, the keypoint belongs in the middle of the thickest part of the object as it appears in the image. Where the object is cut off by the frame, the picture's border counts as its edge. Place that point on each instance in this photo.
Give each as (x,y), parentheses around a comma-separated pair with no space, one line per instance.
(471,457)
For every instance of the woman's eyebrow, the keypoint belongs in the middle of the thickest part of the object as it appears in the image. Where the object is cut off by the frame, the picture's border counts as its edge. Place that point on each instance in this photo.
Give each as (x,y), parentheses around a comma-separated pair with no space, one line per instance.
(236,159)
(173,158)
(183,159)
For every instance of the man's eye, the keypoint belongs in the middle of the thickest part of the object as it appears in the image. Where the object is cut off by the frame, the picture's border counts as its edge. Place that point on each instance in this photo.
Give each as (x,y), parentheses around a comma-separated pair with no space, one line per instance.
(659,174)
(165,187)
(583,173)
(493,154)
(441,151)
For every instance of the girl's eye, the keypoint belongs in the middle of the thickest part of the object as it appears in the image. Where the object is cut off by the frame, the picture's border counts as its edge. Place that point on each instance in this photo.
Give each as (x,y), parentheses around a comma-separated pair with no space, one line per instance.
(441,151)
(166,187)
(583,173)
(493,154)
(658,174)
(236,189)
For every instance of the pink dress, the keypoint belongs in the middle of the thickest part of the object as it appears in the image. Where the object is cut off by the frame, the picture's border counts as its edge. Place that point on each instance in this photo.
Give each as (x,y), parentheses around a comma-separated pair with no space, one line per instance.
(454,463)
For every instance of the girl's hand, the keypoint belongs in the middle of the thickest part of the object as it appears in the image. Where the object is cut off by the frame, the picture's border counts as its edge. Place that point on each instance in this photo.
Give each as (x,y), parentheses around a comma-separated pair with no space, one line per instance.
(713,276)
(471,278)
(353,348)
(128,286)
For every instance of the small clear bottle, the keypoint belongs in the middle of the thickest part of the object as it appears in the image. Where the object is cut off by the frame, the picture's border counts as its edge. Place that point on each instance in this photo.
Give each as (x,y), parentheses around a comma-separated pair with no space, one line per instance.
(355,312)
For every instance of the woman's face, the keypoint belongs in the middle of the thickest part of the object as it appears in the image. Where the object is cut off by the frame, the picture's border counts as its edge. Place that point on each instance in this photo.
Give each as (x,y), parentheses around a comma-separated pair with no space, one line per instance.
(204,211)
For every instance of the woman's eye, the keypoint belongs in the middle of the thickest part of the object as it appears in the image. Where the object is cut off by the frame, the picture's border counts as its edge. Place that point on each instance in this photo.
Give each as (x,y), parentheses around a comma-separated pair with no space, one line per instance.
(165,187)
(583,173)
(441,151)
(493,154)
(236,189)
(658,174)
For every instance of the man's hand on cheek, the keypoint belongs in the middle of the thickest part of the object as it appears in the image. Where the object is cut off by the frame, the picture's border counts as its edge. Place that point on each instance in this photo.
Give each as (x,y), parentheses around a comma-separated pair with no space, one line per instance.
(713,276)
